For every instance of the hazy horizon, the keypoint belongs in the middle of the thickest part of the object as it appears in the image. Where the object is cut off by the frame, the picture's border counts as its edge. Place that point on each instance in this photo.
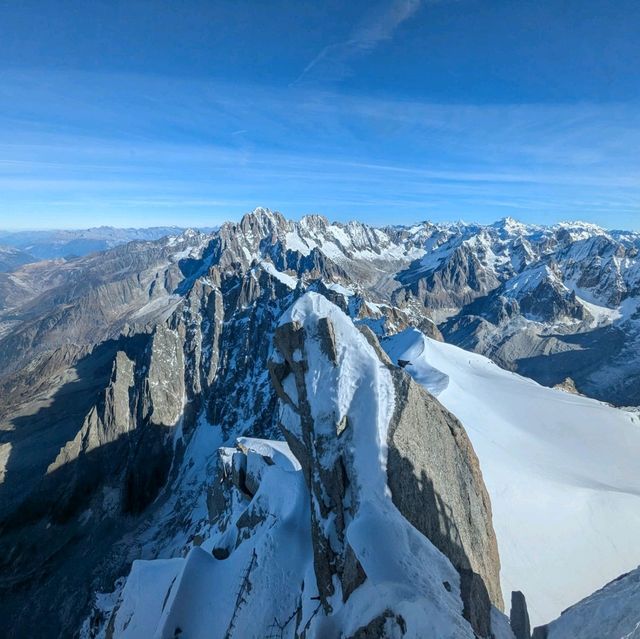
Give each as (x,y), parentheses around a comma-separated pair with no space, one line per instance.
(238,217)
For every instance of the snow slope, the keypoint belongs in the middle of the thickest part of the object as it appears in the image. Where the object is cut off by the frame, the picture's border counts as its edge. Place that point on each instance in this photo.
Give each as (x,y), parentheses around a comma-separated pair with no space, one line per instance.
(561,470)
(201,595)
(612,612)
(256,591)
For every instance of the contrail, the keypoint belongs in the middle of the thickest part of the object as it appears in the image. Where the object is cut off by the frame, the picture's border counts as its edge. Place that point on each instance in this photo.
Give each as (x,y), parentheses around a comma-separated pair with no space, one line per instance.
(332,63)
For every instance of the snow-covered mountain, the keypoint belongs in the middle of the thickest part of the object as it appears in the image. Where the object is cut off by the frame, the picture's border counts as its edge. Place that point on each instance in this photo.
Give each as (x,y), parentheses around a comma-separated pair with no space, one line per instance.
(320,544)
(547,302)
(146,390)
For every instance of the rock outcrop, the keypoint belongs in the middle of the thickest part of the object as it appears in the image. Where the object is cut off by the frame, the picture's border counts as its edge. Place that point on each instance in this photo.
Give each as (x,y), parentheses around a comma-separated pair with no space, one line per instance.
(431,469)
(106,421)
(568,385)
(519,616)
(436,483)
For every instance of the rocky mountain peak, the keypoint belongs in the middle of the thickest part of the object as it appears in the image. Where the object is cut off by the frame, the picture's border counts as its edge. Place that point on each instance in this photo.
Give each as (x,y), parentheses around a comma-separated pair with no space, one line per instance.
(509,227)
(262,221)
(314,222)
(350,417)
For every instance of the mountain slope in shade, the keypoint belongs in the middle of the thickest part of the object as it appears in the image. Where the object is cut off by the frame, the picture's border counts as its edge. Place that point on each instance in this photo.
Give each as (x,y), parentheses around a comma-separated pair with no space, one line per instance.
(561,469)
(613,612)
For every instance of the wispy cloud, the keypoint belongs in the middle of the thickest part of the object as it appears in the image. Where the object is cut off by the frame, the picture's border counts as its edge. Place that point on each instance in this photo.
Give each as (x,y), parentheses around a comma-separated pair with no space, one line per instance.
(165,150)
(333,63)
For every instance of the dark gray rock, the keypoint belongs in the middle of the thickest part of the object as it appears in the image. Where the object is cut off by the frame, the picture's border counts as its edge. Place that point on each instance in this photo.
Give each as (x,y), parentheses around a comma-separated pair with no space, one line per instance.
(540,632)
(519,616)
(388,624)
(476,602)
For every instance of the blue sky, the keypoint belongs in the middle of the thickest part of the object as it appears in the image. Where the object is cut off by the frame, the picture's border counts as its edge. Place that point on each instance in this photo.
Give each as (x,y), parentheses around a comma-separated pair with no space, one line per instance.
(146,113)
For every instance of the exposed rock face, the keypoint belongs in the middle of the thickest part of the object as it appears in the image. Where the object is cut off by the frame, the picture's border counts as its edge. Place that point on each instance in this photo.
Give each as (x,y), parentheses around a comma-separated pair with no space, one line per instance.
(453,283)
(519,616)
(142,403)
(432,471)
(436,482)
(106,421)
(568,385)
(164,384)
(323,463)
(540,632)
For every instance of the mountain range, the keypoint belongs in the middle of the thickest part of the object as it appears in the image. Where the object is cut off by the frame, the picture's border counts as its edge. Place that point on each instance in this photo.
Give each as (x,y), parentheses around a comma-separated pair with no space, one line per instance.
(303,428)
(55,244)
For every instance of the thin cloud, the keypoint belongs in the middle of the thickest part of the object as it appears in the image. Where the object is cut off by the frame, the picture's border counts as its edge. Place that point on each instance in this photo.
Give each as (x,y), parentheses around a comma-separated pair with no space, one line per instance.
(333,63)
(304,149)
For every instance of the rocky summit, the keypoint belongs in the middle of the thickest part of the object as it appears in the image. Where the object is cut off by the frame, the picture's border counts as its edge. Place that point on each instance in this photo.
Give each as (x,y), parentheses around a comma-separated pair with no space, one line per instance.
(273,430)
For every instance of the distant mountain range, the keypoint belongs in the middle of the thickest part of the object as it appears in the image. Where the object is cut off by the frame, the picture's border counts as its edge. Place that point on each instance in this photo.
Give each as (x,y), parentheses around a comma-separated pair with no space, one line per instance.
(306,428)
(54,244)
(559,304)
(11,258)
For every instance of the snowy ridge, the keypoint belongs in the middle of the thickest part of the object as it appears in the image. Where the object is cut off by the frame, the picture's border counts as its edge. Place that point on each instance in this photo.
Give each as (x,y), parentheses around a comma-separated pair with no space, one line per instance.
(364,395)
(252,574)
(612,612)
(529,281)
